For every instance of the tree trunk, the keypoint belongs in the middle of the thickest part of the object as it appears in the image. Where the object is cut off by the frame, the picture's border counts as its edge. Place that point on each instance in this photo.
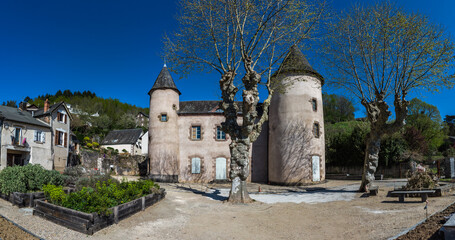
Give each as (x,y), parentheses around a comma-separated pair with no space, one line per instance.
(240,170)
(373,145)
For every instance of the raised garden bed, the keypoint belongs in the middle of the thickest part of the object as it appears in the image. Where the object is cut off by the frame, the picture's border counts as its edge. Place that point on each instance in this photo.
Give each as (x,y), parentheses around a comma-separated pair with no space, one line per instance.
(90,223)
(26,199)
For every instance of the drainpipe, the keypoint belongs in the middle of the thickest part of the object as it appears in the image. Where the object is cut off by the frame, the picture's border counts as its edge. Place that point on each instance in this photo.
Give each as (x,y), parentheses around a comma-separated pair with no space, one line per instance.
(1,128)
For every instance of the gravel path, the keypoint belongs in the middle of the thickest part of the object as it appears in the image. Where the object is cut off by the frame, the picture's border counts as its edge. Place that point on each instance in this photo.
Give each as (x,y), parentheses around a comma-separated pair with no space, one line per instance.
(326,211)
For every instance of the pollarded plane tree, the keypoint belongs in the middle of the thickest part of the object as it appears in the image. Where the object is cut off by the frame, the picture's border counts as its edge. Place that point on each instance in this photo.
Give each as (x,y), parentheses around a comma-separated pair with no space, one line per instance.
(381,53)
(243,40)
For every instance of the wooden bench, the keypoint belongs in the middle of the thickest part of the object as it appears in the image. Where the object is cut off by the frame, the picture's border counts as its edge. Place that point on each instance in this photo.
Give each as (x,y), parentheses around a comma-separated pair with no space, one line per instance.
(422,193)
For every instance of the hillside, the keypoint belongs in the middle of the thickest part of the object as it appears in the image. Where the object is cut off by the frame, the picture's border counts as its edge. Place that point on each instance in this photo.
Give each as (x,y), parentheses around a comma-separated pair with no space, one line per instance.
(93,116)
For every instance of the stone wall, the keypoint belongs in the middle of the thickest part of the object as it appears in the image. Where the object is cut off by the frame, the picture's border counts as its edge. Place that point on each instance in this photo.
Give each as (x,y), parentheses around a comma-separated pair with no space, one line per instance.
(118,164)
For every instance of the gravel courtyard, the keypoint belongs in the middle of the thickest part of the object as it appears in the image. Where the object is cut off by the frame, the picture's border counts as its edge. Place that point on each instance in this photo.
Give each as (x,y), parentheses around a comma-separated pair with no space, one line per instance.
(331,210)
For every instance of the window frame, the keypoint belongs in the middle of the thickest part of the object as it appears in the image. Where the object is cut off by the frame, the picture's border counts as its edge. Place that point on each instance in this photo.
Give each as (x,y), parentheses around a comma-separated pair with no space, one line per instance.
(219,130)
(194,135)
(316,130)
(165,117)
(39,136)
(314,104)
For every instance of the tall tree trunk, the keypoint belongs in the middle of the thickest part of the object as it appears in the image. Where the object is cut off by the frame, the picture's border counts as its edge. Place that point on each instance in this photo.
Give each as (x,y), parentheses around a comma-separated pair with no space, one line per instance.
(373,145)
(240,170)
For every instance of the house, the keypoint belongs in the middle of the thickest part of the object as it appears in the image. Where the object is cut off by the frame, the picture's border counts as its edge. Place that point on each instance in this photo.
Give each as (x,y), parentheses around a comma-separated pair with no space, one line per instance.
(59,119)
(127,140)
(186,143)
(142,120)
(24,139)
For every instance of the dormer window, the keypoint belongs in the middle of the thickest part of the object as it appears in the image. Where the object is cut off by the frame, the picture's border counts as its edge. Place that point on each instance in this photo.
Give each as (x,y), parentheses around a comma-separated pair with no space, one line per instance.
(163,117)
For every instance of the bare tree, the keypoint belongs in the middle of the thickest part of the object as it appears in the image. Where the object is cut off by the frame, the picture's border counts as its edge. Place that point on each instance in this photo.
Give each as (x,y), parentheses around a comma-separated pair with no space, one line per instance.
(380,53)
(244,38)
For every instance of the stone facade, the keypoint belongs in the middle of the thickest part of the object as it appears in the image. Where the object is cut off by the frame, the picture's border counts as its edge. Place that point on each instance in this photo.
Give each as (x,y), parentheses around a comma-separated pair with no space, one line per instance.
(25,140)
(185,144)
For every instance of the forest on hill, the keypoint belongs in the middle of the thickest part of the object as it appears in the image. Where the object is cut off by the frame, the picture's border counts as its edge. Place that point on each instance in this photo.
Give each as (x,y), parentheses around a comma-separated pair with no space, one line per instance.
(93,116)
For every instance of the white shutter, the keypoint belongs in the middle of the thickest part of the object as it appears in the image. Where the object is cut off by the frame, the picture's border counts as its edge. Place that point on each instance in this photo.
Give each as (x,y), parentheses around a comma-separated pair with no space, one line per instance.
(196,165)
(43,137)
(36,136)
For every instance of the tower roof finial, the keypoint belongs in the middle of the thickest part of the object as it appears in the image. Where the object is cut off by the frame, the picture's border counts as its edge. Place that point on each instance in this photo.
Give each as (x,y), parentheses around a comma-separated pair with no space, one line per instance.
(164,62)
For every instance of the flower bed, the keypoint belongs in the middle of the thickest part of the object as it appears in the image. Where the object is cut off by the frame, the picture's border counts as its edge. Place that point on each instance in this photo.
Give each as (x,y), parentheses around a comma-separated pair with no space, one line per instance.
(89,223)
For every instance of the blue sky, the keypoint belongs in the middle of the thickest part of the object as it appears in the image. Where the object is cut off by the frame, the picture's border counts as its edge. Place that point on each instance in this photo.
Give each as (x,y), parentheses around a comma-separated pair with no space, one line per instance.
(113,48)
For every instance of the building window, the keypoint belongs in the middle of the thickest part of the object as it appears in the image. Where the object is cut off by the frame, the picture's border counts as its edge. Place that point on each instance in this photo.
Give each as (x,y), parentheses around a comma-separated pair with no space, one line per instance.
(196,165)
(196,133)
(60,138)
(314,104)
(163,117)
(17,136)
(220,135)
(61,117)
(39,136)
(316,130)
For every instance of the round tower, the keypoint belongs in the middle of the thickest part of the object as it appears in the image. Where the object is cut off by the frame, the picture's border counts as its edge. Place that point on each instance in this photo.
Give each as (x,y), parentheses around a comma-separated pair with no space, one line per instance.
(163,129)
(296,123)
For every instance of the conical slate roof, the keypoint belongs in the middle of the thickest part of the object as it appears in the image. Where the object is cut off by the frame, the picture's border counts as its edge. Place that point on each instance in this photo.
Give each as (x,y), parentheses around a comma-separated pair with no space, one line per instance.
(296,62)
(164,81)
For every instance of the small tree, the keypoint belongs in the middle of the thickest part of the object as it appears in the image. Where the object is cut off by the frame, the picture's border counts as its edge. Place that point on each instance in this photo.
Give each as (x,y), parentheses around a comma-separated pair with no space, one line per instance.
(244,38)
(381,53)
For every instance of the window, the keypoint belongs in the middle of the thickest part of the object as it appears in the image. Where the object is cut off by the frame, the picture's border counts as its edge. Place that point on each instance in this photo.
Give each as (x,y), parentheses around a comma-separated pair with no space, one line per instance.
(314,104)
(316,130)
(196,133)
(17,136)
(60,138)
(195,165)
(220,135)
(61,117)
(39,136)
(163,117)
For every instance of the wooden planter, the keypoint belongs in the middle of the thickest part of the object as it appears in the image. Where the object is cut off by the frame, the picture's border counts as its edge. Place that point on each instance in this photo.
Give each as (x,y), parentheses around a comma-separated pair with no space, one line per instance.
(90,223)
(27,199)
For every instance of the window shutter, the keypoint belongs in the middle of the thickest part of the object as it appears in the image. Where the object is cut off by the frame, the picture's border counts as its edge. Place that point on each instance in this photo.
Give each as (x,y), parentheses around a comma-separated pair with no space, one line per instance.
(43,137)
(35,138)
(56,137)
(196,165)
(66,117)
(66,139)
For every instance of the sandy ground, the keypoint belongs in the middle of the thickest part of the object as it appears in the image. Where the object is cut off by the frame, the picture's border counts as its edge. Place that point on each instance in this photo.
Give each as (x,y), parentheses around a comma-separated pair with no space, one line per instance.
(326,211)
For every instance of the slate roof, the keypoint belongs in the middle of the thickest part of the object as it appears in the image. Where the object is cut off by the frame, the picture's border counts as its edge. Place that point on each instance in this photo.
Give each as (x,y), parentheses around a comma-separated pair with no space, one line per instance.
(198,107)
(126,136)
(40,112)
(296,62)
(164,81)
(17,115)
(204,107)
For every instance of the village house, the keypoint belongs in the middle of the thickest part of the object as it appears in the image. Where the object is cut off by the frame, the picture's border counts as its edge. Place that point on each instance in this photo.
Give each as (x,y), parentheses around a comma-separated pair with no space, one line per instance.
(24,139)
(186,143)
(59,119)
(127,141)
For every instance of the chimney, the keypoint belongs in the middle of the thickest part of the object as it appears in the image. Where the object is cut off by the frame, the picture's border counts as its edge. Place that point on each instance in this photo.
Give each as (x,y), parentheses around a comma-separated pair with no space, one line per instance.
(46,106)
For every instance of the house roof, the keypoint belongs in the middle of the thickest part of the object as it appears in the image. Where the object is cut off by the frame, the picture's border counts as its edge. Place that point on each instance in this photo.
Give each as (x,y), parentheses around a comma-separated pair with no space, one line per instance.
(126,136)
(204,107)
(164,81)
(40,112)
(296,62)
(17,115)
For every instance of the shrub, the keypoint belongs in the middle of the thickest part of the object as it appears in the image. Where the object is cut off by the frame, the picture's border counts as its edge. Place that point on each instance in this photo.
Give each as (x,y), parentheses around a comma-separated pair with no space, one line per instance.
(91,181)
(103,196)
(419,180)
(72,174)
(28,178)
(89,145)
(96,145)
